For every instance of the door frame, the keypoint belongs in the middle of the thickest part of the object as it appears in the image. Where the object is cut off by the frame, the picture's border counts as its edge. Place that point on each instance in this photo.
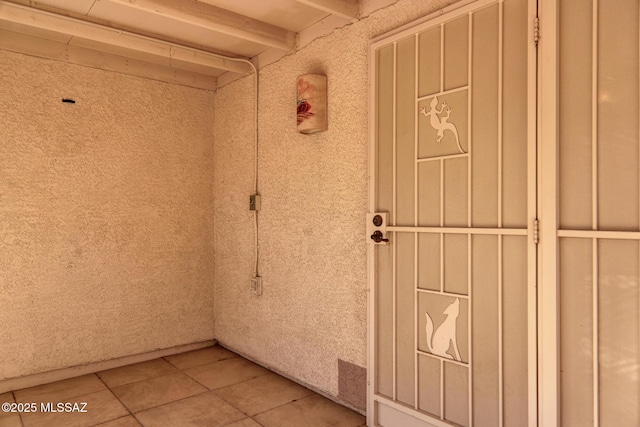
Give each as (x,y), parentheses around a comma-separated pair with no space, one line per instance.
(548,266)
(535,360)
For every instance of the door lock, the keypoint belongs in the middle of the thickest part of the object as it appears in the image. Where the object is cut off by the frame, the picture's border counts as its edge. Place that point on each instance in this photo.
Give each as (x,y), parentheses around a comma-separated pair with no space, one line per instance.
(378,237)
(377,228)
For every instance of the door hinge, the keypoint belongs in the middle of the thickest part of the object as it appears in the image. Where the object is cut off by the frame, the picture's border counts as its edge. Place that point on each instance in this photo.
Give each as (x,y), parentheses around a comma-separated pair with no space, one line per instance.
(536,231)
(536,30)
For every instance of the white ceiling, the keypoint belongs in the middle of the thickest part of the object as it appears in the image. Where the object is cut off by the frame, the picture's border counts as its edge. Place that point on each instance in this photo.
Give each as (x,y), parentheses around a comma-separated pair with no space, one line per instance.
(172,40)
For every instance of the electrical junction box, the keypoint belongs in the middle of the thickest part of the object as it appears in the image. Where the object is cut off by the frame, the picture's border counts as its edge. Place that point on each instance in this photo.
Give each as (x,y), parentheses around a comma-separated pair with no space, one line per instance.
(256,285)
(254,202)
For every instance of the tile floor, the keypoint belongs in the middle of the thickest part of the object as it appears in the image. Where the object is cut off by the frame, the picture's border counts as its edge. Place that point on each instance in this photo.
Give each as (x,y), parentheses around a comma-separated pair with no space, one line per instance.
(211,387)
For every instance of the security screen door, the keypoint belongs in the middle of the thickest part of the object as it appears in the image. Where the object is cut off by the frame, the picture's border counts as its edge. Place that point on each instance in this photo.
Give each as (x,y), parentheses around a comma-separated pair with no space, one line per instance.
(453,339)
(598,214)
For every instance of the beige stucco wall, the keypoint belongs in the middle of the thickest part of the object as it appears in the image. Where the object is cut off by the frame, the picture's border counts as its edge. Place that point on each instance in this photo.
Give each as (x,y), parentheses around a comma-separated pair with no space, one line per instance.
(314,200)
(105,215)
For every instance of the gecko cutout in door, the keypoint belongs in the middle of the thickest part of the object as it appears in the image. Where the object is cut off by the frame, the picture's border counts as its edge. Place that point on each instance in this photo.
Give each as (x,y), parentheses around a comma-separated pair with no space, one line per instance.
(443,125)
(440,122)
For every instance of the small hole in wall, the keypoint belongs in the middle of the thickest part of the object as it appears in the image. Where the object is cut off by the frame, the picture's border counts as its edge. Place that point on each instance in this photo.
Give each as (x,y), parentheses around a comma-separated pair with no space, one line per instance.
(68,100)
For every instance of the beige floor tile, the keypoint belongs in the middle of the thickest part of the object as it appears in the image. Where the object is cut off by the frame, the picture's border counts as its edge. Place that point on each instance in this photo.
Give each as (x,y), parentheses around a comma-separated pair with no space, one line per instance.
(101,406)
(137,372)
(157,391)
(6,397)
(312,411)
(10,420)
(226,372)
(247,422)
(204,410)
(61,391)
(127,421)
(200,357)
(262,393)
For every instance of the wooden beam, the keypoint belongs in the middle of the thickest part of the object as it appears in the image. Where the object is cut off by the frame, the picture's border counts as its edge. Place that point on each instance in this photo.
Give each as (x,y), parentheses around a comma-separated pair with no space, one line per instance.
(38,47)
(134,45)
(216,19)
(348,9)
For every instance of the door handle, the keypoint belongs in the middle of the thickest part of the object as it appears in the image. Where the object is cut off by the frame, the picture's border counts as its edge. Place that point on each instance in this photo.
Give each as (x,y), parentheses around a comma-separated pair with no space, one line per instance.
(378,237)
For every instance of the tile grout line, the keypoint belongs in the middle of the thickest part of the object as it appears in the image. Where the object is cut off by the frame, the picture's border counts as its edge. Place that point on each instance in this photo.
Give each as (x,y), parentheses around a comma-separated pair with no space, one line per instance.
(164,375)
(179,370)
(214,391)
(40,401)
(169,403)
(118,399)
(251,417)
(207,390)
(13,394)
(275,370)
(68,397)
(285,404)
(108,421)
(312,393)
(133,414)
(195,366)
(164,404)
(139,381)
(144,379)
(228,385)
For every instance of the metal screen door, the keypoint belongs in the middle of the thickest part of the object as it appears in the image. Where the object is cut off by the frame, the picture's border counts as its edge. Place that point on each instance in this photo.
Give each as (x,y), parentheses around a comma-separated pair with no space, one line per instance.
(453,304)
(590,231)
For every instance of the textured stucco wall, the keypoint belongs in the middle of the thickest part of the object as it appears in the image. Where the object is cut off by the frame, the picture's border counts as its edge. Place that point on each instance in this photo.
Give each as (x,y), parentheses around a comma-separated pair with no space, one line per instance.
(106,229)
(314,200)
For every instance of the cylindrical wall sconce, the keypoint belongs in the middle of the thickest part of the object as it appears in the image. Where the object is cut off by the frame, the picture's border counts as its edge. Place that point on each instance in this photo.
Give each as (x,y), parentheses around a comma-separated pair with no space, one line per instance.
(312,103)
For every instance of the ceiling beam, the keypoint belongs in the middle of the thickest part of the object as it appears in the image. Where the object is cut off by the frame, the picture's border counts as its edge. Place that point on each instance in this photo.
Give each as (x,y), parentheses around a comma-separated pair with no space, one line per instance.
(348,9)
(134,43)
(216,19)
(42,48)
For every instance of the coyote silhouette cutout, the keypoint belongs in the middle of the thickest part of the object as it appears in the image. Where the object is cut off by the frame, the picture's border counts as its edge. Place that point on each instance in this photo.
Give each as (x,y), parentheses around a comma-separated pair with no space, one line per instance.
(446,335)
(441,122)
